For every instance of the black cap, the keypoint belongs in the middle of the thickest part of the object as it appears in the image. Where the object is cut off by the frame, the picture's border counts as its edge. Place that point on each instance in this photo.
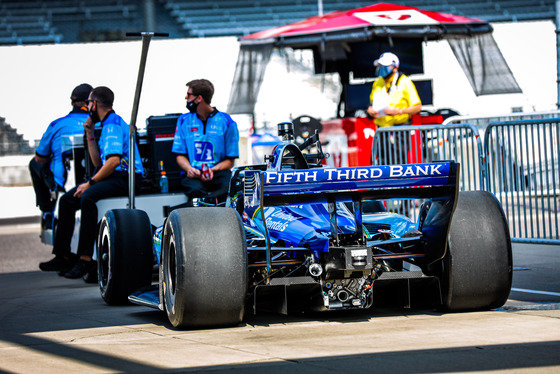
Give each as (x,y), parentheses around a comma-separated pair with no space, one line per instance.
(81,92)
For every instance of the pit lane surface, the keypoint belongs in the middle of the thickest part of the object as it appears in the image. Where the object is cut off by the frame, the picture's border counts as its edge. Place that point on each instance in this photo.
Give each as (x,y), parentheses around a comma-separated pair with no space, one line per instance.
(52,324)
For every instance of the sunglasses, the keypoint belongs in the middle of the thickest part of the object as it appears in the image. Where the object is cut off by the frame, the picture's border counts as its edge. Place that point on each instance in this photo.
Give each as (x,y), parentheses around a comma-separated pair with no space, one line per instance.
(190,94)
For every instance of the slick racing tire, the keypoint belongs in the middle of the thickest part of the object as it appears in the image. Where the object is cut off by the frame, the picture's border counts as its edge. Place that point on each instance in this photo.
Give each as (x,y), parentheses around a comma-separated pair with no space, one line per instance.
(124,254)
(477,268)
(203,270)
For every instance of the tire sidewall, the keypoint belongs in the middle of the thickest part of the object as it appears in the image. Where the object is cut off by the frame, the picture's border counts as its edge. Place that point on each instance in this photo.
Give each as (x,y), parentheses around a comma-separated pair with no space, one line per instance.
(129,255)
(477,267)
(106,247)
(173,300)
(210,284)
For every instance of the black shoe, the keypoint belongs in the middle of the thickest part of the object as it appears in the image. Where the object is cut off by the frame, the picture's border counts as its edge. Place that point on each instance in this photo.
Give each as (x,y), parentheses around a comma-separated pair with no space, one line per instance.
(58,263)
(80,269)
(91,275)
(47,221)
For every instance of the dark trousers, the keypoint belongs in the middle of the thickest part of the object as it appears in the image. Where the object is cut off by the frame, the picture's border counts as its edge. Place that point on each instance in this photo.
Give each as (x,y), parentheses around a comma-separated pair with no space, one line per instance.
(217,187)
(115,185)
(43,183)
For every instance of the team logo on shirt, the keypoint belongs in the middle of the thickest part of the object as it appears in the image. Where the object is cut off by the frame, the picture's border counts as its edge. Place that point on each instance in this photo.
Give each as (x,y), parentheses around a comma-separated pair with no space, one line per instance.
(204,151)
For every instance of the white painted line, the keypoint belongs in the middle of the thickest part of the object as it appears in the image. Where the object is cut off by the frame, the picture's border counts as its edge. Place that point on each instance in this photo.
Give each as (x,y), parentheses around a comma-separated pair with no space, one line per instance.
(535,291)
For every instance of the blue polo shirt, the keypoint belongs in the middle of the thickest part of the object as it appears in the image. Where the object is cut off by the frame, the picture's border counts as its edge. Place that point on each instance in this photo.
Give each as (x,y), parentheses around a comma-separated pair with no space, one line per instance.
(210,142)
(114,141)
(51,142)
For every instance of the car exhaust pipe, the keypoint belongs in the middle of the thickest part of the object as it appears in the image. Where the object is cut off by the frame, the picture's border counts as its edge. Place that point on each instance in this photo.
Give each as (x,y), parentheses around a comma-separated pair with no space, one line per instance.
(315,270)
(343,295)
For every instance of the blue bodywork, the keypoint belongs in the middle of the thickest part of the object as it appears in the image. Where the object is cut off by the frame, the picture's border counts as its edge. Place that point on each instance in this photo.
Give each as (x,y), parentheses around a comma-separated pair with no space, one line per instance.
(315,236)
(307,225)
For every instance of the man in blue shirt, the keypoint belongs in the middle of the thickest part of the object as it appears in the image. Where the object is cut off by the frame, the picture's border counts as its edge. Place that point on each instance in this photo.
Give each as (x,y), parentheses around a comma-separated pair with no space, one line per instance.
(110,156)
(47,169)
(206,143)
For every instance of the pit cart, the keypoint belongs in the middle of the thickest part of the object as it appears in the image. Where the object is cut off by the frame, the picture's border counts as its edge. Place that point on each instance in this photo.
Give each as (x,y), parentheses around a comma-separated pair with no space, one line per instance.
(296,235)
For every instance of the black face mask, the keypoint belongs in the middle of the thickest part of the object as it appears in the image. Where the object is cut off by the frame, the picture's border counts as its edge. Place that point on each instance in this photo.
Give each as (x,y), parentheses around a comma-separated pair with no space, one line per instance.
(94,116)
(192,106)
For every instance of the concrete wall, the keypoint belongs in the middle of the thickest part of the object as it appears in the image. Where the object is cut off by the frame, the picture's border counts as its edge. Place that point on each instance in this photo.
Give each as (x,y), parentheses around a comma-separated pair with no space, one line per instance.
(14,171)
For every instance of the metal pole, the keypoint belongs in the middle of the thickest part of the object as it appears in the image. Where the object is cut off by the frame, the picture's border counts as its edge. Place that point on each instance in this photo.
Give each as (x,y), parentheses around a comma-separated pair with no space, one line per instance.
(146,38)
(558,53)
(149,15)
(320,7)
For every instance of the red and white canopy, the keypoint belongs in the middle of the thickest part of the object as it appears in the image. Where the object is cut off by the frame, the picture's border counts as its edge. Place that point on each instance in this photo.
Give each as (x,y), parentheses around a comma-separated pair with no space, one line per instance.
(337,35)
(375,20)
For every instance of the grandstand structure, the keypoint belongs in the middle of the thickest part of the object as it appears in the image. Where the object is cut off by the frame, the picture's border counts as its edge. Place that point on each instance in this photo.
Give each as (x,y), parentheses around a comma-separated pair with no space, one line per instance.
(33,22)
(11,142)
(70,21)
(239,17)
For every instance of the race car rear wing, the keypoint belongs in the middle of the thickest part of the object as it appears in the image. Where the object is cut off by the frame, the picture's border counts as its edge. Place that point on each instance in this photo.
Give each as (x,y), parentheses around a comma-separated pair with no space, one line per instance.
(325,185)
(288,178)
(436,181)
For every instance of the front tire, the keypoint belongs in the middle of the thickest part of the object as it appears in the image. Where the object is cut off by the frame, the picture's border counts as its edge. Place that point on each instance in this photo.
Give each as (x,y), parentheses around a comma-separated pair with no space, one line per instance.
(203,270)
(477,268)
(124,254)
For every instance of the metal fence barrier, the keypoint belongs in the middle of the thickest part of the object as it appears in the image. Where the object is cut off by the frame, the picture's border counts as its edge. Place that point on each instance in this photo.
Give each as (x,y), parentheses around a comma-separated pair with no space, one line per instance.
(519,165)
(481,123)
(522,163)
(427,143)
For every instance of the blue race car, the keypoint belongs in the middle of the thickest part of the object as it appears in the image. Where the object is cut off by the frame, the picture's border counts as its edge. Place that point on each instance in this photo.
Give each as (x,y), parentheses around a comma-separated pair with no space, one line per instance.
(295,235)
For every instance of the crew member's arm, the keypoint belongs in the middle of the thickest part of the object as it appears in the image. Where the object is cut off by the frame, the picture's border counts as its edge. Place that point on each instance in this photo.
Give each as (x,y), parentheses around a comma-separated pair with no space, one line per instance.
(107,169)
(185,165)
(231,142)
(370,111)
(226,164)
(45,150)
(93,147)
(41,159)
(414,109)
(412,103)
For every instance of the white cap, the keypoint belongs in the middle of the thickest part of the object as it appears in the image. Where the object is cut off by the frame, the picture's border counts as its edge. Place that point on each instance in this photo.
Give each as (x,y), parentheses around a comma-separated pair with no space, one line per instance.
(387,59)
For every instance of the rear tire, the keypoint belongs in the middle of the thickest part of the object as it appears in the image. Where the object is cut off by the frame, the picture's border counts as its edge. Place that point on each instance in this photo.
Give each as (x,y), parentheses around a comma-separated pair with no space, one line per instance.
(477,268)
(124,254)
(203,270)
